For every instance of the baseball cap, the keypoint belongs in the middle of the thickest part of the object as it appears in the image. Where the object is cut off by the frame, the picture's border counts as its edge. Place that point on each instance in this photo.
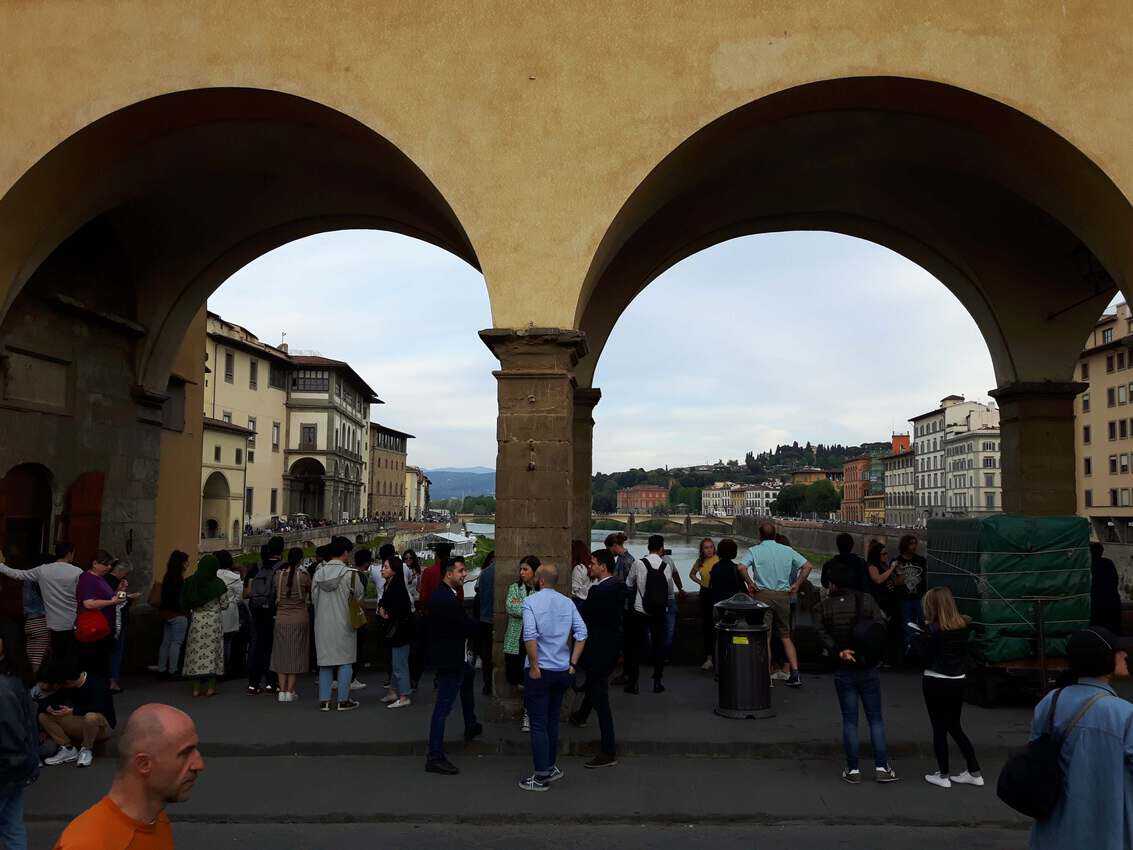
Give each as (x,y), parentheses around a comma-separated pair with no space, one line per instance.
(1090,651)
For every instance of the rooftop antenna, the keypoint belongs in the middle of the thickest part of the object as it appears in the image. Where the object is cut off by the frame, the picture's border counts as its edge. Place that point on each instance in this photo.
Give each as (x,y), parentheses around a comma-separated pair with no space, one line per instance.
(282,337)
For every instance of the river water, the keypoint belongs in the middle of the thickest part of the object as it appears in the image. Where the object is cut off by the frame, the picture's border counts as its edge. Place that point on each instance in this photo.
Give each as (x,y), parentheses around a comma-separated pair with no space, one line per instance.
(684,548)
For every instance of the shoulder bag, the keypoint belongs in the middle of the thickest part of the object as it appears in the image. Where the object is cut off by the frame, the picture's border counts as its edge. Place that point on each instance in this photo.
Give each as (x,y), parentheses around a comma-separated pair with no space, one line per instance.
(355,613)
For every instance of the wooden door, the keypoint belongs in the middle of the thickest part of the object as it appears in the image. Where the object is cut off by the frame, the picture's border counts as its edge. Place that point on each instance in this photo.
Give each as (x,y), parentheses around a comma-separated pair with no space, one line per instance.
(81,523)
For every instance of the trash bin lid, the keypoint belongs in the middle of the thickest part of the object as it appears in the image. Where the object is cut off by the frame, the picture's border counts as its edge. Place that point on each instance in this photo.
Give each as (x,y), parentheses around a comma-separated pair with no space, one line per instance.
(740,602)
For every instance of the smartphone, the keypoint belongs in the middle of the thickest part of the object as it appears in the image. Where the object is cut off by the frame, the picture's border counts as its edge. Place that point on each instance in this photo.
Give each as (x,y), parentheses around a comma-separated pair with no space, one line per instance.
(914,626)
(668,552)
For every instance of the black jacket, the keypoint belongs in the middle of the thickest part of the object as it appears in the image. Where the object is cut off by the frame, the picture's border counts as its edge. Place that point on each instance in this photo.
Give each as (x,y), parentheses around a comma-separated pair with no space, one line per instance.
(92,696)
(603,610)
(399,626)
(943,652)
(725,581)
(857,566)
(449,627)
(19,736)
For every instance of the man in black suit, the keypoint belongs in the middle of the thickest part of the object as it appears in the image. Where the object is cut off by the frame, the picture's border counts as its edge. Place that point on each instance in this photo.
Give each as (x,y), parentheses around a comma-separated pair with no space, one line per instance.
(603,611)
(449,631)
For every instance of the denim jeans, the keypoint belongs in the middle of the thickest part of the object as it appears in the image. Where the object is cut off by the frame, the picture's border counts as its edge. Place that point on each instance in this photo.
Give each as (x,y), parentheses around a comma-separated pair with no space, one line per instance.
(449,686)
(345,674)
(13,833)
(910,613)
(670,628)
(119,649)
(543,699)
(865,685)
(172,639)
(399,669)
(597,696)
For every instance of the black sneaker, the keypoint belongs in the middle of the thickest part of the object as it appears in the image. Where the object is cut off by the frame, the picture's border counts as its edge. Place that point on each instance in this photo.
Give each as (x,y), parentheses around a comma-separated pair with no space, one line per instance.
(854,777)
(601,760)
(795,680)
(442,766)
(658,688)
(324,705)
(473,731)
(347,705)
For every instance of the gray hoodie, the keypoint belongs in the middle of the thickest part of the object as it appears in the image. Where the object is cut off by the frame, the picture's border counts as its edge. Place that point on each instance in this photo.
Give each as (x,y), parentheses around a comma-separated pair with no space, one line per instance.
(335,641)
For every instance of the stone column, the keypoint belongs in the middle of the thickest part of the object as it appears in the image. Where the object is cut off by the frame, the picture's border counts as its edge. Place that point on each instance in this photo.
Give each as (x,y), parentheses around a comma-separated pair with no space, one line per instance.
(534,431)
(1036,424)
(583,436)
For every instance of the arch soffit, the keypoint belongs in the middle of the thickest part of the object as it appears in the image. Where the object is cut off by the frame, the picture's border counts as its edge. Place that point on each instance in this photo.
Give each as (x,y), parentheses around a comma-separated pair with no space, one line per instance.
(216,486)
(145,161)
(673,184)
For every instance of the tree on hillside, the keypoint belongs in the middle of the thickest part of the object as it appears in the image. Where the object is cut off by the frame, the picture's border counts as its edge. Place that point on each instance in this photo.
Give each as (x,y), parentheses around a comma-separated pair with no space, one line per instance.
(790,500)
(821,497)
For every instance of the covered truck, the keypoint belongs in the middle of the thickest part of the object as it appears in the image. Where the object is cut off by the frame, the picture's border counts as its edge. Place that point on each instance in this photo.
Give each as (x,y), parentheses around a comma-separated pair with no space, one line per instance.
(1014,576)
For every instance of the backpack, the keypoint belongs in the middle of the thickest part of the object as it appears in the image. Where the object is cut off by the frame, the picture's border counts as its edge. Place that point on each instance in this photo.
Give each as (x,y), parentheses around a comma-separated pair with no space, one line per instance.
(655,594)
(1032,780)
(868,637)
(262,589)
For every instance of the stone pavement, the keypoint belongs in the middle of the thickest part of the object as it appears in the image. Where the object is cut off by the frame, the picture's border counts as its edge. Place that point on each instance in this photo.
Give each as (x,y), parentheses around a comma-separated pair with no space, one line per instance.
(679,722)
(285,775)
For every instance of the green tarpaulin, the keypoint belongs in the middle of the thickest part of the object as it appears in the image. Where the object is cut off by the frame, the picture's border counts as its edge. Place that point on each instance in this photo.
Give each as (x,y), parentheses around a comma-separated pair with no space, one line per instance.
(996,566)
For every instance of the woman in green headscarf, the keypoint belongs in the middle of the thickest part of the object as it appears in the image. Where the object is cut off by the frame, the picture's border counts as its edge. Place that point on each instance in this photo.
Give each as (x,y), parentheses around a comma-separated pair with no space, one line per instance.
(203,597)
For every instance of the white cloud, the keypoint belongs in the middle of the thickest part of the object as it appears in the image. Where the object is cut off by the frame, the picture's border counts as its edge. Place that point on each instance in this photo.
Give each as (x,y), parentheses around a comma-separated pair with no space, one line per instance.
(767,339)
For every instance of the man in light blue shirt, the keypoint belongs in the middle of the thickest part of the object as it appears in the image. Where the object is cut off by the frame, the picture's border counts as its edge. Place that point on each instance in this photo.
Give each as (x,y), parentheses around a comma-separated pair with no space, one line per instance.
(549,620)
(774,572)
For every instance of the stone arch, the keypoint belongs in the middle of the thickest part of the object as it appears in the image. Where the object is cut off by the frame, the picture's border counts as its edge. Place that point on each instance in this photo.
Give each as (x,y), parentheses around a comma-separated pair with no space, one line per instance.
(216,498)
(193,185)
(1030,235)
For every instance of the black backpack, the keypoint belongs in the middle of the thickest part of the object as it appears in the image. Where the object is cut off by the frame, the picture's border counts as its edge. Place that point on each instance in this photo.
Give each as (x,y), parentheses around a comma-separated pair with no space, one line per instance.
(1031,781)
(262,591)
(868,637)
(655,594)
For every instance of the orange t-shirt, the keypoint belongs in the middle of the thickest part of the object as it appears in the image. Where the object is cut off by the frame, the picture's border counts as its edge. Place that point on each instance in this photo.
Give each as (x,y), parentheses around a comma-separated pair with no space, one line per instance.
(104,826)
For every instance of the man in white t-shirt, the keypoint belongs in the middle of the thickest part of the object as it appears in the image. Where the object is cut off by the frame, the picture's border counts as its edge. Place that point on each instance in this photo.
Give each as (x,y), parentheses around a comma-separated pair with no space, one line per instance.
(650,586)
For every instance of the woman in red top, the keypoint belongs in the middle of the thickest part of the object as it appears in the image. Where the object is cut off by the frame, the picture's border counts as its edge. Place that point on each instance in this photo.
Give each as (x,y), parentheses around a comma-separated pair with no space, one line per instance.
(93,593)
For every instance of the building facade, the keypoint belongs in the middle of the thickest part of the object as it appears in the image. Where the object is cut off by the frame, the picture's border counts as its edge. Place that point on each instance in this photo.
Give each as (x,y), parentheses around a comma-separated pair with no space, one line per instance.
(224,477)
(308,418)
(753,499)
(929,431)
(855,485)
(716,500)
(873,508)
(1103,433)
(900,492)
(388,450)
(642,498)
(246,384)
(974,480)
(416,492)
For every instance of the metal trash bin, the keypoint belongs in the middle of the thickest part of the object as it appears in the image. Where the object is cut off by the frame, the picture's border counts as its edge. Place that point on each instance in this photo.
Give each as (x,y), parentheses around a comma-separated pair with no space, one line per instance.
(741,658)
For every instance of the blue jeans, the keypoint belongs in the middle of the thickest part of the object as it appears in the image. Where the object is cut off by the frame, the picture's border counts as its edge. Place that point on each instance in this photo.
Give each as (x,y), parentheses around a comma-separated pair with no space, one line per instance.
(865,685)
(172,639)
(670,627)
(13,833)
(345,674)
(119,649)
(543,699)
(399,674)
(449,686)
(910,613)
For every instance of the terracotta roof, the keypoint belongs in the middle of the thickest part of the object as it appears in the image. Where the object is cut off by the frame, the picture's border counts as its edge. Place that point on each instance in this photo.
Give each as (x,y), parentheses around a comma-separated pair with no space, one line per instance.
(312,360)
(221,425)
(374,426)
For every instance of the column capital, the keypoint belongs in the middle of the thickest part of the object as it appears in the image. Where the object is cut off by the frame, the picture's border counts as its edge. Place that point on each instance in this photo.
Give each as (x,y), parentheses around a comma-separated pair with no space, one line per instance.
(1036,390)
(535,349)
(585,398)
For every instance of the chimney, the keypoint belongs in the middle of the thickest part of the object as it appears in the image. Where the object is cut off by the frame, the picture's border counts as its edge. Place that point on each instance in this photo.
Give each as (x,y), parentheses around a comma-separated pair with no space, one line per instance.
(283,347)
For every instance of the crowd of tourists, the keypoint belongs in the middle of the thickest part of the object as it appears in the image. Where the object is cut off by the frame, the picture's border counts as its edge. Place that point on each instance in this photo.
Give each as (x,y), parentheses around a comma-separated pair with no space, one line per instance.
(287,615)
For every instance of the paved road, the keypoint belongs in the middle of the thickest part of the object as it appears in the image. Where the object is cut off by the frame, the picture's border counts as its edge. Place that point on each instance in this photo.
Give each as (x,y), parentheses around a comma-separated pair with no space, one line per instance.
(644,836)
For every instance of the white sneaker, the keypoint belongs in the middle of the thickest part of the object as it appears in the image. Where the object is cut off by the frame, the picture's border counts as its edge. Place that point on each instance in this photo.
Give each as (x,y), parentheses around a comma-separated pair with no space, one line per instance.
(281,696)
(938,779)
(707,665)
(401,702)
(966,778)
(780,676)
(356,685)
(526,723)
(390,697)
(85,758)
(65,755)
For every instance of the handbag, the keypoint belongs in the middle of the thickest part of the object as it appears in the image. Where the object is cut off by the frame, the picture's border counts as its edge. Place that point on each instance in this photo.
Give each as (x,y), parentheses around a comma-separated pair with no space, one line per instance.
(91,626)
(355,613)
(1032,780)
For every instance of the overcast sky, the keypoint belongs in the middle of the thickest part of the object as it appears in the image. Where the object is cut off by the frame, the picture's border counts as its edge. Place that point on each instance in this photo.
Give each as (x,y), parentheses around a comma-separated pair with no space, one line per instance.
(766,339)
